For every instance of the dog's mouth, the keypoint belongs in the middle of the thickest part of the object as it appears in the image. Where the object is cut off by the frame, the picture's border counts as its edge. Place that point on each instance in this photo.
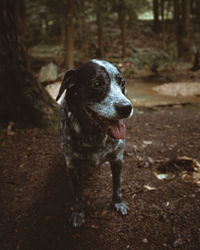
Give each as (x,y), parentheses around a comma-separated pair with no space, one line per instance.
(114,128)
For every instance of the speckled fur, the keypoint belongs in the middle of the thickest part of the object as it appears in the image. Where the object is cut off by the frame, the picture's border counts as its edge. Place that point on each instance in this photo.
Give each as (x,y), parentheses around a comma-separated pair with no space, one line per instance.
(93,147)
(85,144)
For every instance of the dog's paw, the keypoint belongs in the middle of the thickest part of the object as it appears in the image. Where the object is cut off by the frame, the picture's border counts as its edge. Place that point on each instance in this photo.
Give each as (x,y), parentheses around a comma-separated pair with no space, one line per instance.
(121,208)
(77,219)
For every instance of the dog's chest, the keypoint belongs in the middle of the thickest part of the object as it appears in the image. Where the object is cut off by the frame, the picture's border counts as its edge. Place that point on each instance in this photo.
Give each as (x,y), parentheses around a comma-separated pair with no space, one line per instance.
(89,148)
(94,150)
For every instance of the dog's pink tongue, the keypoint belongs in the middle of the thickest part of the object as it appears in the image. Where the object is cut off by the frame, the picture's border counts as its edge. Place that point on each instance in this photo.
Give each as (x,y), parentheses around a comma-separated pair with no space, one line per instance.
(117,129)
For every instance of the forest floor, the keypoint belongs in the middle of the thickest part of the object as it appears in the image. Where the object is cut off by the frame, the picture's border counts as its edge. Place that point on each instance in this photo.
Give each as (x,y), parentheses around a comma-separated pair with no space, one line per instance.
(164,213)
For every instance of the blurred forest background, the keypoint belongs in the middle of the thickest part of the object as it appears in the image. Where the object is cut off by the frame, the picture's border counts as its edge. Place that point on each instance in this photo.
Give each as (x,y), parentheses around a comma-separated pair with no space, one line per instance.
(135,34)
(115,29)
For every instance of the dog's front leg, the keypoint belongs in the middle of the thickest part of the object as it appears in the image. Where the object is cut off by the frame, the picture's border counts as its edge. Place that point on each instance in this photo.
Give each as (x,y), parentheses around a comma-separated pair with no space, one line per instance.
(77,217)
(120,206)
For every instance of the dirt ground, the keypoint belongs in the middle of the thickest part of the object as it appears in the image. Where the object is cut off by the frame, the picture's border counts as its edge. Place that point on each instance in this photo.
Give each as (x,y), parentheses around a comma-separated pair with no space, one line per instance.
(164,214)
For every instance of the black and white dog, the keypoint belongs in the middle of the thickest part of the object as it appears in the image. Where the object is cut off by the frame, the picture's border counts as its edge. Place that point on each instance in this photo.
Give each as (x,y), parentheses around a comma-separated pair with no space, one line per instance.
(92,130)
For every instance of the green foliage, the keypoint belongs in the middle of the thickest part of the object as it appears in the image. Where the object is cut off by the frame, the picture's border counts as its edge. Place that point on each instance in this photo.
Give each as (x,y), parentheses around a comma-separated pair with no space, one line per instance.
(150,59)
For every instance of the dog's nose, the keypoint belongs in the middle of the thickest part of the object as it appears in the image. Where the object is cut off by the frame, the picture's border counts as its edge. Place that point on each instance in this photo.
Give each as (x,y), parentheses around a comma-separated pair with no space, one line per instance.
(123,110)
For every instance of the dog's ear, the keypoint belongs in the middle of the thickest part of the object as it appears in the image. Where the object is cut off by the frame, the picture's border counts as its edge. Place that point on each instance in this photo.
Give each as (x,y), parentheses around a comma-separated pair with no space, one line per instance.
(67,82)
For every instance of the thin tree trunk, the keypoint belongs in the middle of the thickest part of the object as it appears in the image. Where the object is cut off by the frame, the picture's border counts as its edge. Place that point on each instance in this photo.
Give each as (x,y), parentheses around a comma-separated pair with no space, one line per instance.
(177,26)
(122,23)
(176,12)
(196,64)
(22,98)
(69,46)
(156,23)
(100,33)
(186,27)
(163,22)
(183,28)
(198,11)
(83,32)
(168,9)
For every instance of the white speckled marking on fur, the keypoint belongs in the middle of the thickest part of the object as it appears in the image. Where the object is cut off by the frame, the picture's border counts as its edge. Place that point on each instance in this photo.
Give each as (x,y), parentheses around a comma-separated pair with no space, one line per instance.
(120,146)
(110,68)
(61,98)
(77,127)
(106,108)
(69,114)
(131,114)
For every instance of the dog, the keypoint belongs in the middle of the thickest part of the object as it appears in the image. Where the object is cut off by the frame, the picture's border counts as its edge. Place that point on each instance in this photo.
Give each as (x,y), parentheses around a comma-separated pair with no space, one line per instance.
(92,128)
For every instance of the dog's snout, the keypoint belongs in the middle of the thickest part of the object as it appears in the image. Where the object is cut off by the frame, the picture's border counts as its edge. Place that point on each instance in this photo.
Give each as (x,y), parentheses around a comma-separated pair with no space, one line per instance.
(123,110)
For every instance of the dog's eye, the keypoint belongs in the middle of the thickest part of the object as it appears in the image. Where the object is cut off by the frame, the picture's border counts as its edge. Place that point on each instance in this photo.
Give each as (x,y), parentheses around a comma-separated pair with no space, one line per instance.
(96,85)
(121,81)
(122,84)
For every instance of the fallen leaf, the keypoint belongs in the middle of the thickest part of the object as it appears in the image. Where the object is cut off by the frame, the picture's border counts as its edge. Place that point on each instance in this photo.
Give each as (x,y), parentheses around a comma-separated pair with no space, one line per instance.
(149,187)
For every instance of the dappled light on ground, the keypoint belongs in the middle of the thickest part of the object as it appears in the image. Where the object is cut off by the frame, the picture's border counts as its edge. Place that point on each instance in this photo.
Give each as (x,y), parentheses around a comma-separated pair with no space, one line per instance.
(179,89)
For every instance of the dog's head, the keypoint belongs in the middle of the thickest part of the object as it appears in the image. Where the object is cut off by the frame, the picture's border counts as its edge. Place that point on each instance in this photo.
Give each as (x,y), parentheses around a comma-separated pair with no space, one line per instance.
(98,88)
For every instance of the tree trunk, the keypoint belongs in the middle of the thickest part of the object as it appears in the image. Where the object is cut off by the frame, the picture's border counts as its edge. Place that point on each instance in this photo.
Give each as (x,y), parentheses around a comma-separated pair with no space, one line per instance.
(196,65)
(69,36)
(122,23)
(168,9)
(183,29)
(177,25)
(100,33)
(156,23)
(198,11)
(83,32)
(22,98)
(69,47)
(176,12)
(186,28)
(163,22)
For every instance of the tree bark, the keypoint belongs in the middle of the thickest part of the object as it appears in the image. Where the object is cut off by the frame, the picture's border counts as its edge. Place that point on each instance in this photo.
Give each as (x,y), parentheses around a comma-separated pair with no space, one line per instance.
(22,98)
(69,36)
